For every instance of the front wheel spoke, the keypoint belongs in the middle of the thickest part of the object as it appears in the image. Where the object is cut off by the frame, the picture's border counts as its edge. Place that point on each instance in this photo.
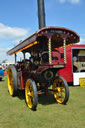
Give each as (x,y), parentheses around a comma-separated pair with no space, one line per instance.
(30,102)
(30,94)
(61,97)
(11,83)
(62,90)
(59,91)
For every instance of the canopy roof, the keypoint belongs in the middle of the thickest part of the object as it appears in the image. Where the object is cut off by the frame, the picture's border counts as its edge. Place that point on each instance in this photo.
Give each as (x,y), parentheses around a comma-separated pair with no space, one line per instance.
(58,34)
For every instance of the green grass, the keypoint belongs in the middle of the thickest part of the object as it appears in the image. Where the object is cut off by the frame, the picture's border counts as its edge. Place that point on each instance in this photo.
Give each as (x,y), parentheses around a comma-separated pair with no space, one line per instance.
(15,114)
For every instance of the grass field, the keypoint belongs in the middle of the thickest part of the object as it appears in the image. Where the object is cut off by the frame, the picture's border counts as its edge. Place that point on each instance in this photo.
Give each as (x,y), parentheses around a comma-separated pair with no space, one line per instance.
(15,114)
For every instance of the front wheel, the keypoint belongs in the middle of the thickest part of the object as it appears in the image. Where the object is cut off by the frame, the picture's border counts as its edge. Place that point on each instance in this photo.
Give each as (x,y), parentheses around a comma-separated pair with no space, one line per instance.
(31,94)
(60,90)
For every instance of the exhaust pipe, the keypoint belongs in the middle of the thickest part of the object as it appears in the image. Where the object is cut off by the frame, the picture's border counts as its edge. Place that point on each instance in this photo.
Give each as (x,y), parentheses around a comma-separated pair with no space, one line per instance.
(41,13)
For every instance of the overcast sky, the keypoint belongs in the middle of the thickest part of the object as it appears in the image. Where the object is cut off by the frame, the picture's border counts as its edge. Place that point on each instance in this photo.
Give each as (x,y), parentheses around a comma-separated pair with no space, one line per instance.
(18,19)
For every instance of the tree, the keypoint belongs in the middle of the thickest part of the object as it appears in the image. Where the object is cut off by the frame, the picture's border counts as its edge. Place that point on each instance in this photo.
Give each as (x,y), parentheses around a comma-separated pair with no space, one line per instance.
(4,61)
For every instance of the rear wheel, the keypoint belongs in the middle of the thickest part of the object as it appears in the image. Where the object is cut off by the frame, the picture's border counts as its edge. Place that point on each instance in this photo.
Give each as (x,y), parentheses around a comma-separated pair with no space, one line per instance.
(12,80)
(31,94)
(60,90)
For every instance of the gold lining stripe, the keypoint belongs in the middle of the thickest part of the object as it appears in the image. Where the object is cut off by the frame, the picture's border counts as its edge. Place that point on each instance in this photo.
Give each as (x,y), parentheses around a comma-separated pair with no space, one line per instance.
(66,46)
(28,46)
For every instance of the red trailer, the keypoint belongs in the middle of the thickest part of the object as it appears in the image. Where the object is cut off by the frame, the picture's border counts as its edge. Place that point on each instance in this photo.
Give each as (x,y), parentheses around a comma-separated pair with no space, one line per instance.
(74,70)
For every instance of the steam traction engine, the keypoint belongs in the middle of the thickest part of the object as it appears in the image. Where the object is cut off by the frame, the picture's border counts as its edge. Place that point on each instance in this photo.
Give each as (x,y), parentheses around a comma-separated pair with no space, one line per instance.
(40,71)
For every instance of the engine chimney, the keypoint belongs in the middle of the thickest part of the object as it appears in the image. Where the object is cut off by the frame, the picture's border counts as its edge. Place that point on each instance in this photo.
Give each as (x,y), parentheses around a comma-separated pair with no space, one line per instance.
(41,13)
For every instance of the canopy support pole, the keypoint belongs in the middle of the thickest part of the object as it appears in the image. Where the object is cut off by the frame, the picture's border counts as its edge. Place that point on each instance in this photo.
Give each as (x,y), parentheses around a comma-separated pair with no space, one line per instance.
(49,47)
(64,43)
(24,56)
(15,58)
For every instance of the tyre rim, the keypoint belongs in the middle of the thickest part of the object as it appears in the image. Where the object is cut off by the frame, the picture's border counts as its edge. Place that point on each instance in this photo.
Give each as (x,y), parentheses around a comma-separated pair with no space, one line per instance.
(59,90)
(10,81)
(29,94)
